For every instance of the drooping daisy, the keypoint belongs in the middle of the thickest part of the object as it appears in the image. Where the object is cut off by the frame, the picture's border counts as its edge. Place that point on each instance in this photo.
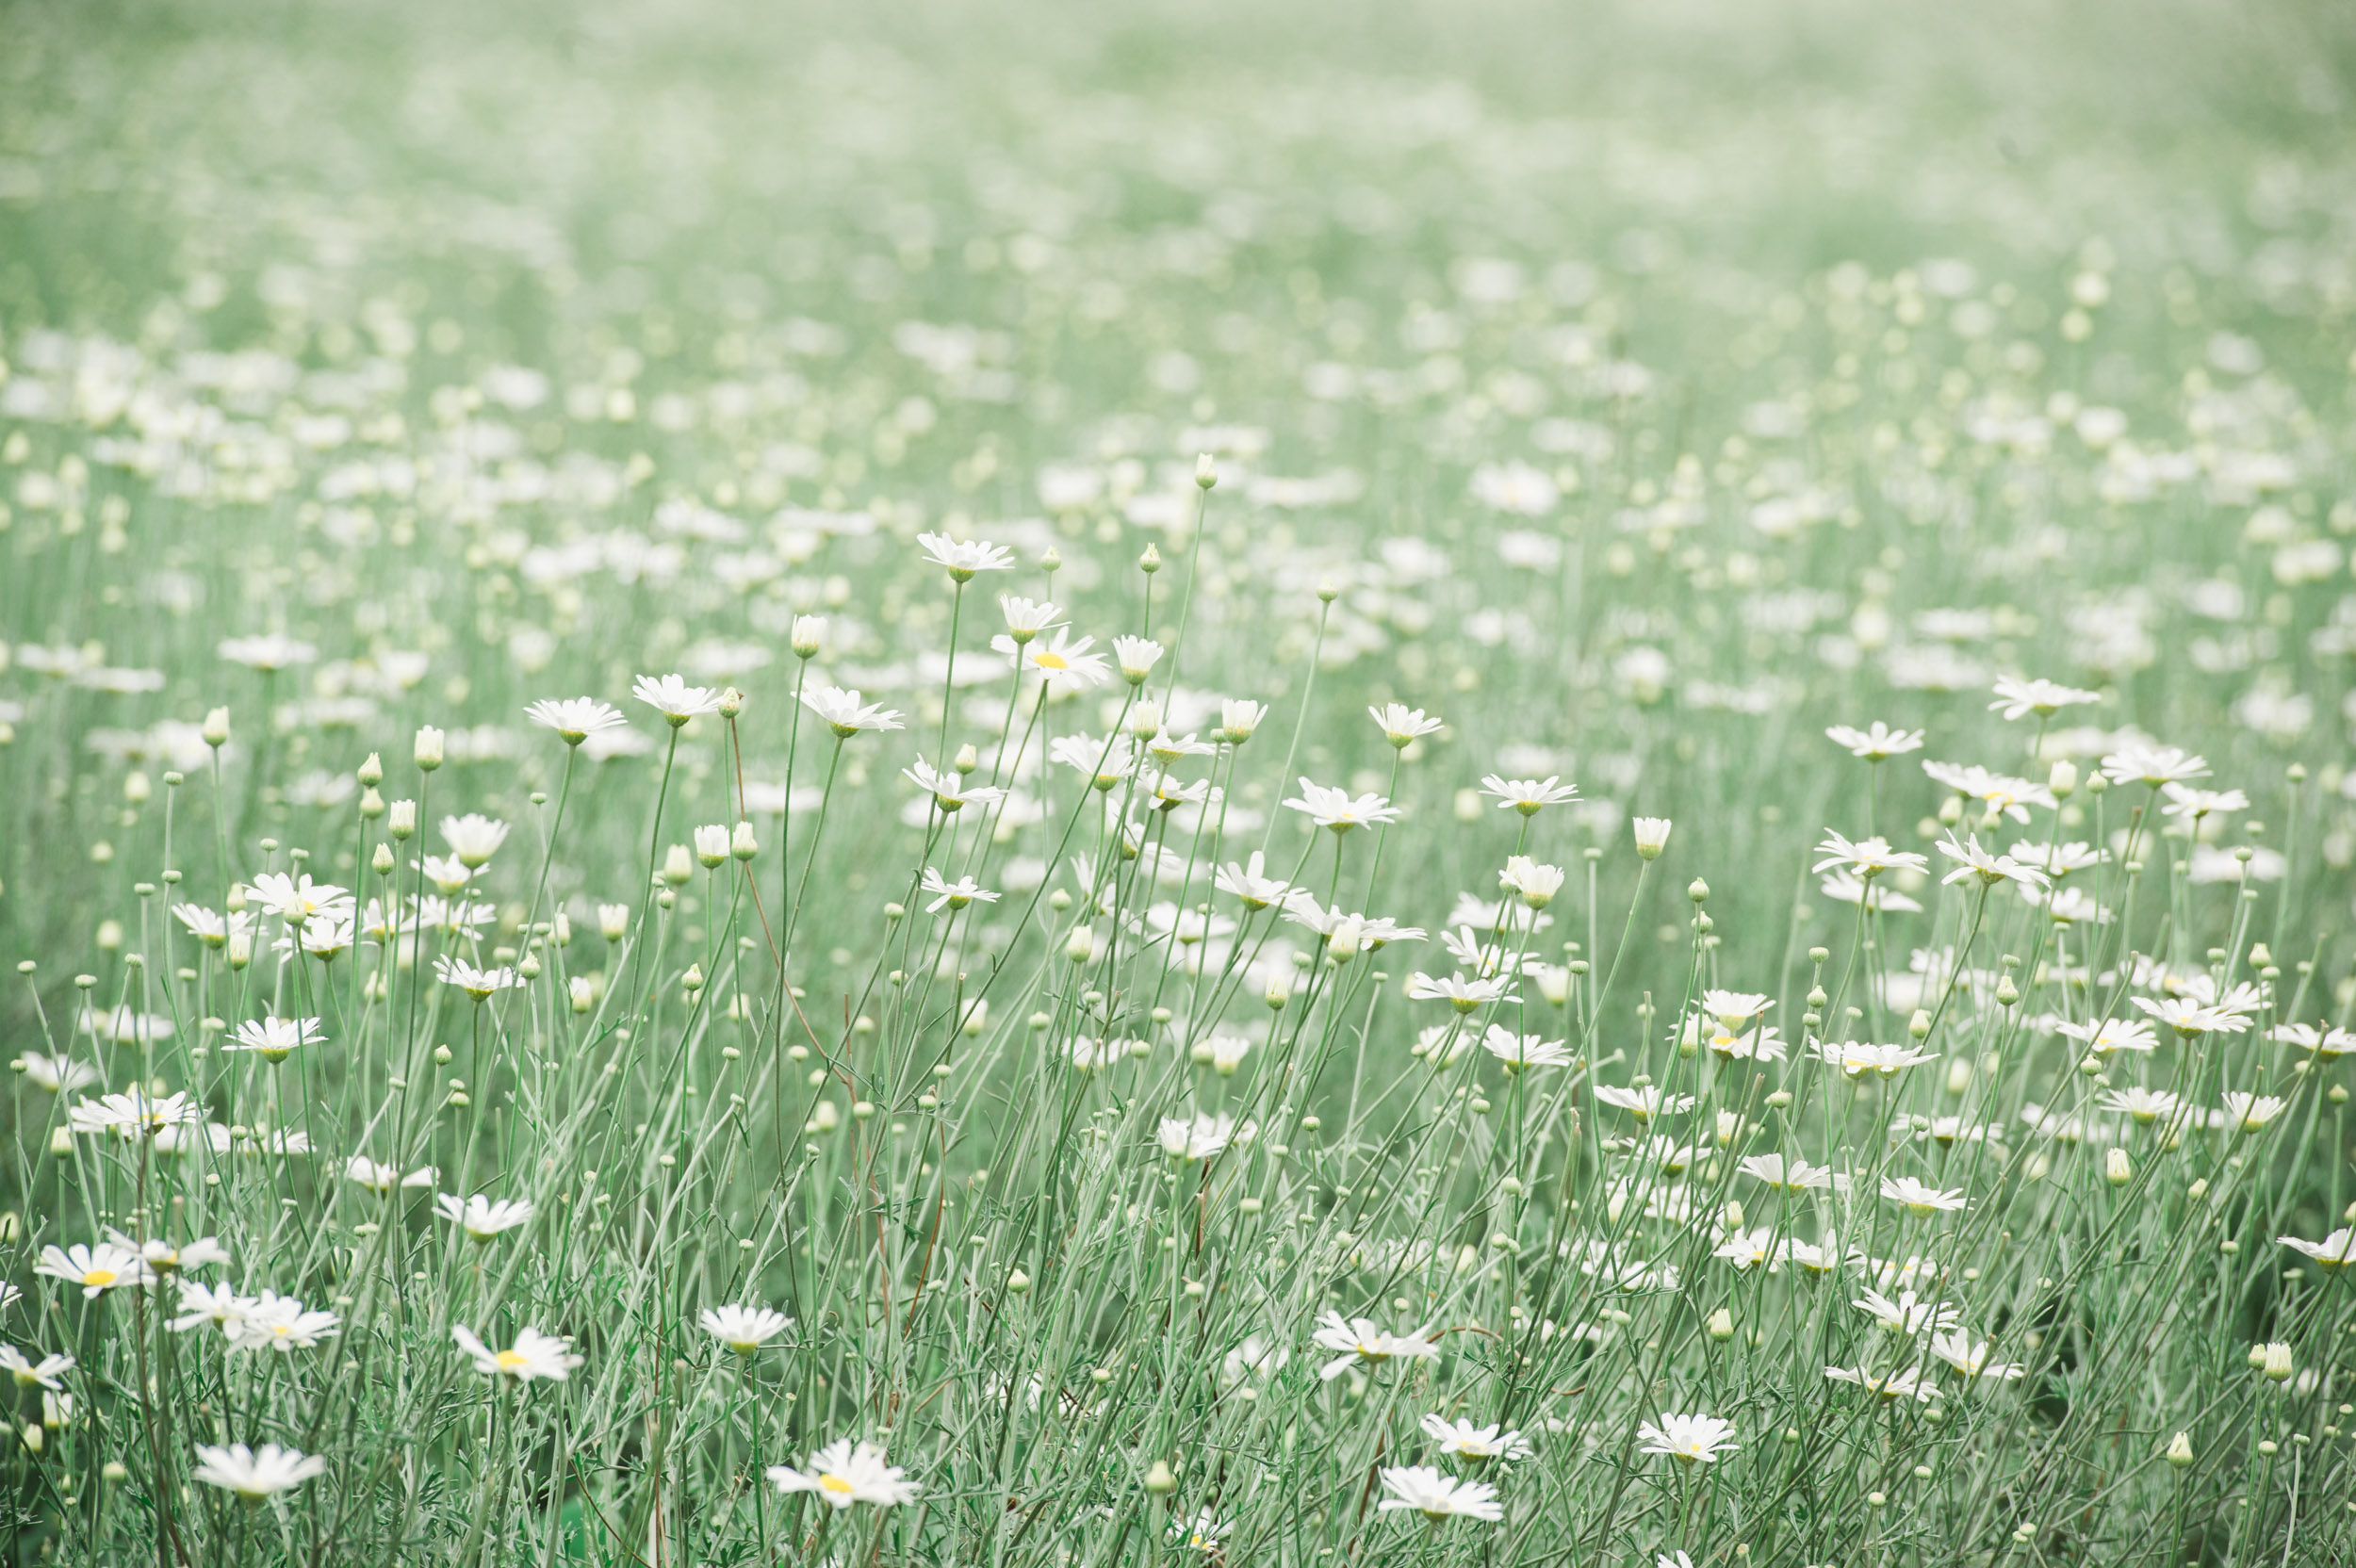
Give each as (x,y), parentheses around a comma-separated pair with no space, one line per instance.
(535,1355)
(1465,995)
(1646,1102)
(1907,1384)
(1476,1444)
(1857,1057)
(59,1074)
(483,1218)
(131,1114)
(2111,1033)
(843,1473)
(1689,1439)
(255,1477)
(1791,1175)
(575,719)
(744,1330)
(1866,858)
(1438,1497)
(2185,801)
(2153,765)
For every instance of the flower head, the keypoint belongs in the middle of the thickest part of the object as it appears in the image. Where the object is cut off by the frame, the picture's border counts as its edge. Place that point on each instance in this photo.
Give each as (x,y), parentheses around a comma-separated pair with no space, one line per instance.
(965,558)
(743,1330)
(1338,810)
(1527,795)
(1690,1439)
(533,1355)
(843,1473)
(483,1217)
(677,701)
(845,713)
(1437,1496)
(256,1476)
(1467,1441)
(1877,743)
(575,719)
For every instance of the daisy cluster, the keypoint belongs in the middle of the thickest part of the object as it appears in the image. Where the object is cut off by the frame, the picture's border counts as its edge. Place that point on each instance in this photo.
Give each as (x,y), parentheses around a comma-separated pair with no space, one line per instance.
(840,798)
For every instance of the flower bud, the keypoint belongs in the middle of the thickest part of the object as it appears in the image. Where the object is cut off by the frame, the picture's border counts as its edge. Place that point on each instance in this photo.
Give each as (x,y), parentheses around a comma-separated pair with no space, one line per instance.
(808,631)
(372,772)
(1159,1481)
(1918,1025)
(732,703)
(2117,1168)
(2277,1363)
(217,728)
(966,761)
(382,863)
(2180,1450)
(614,922)
(679,866)
(33,1438)
(693,981)
(240,948)
(429,749)
(582,992)
(402,821)
(1278,993)
(1018,1283)
(742,844)
(1081,945)
(1205,470)
(711,846)
(1721,1325)
(2063,780)
(1652,836)
(1698,891)
(1151,562)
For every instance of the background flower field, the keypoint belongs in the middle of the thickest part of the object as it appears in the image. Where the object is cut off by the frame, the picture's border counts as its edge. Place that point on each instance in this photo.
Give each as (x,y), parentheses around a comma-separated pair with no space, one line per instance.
(1162,784)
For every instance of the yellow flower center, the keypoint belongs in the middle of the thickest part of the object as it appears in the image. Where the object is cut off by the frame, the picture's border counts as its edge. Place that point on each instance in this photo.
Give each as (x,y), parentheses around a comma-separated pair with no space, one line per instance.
(839,1485)
(99,1277)
(512,1361)
(1048,660)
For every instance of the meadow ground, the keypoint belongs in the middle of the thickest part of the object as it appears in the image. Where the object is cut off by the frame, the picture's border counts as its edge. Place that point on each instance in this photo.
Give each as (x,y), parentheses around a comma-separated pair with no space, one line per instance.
(1233,785)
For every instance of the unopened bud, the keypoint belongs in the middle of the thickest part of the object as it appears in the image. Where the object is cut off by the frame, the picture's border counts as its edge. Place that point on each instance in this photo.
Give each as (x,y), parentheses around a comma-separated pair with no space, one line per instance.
(582,992)
(2063,780)
(967,759)
(1018,1283)
(217,727)
(371,772)
(1920,1025)
(1159,1481)
(1721,1325)
(2180,1450)
(679,866)
(428,750)
(2117,1168)
(742,844)
(401,821)
(1205,470)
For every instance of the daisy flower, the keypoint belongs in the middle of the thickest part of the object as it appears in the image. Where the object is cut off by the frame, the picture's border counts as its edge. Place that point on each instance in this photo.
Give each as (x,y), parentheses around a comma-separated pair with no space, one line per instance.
(1403,725)
(1137,657)
(1457,991)
(1866,858)
(949,789)
(164,1258)
(1238,720)
(275,1038)
(1337,808)
(385,1178)
(30,1373)
(59,1074)
(477,982)
(1437,1496)
(1919,1197)
(1520,1052)
(1877,743)
(1467,1441)
(2112,1034)
(2333,1252)
(1527,795)
(473,839)
(954,896)
(1990,867)
(96,1269)
(843,1473)
(2185,801)
(2333,1042)
(483,1218)
(133,1113)
(1026,618)
(533,1355)
(1361,1341)
(280,1323)
(2245,1112)
(295,899)
(1896,1385)
(218,1305)
(964,558)
(1200,1138)
(1646,1102)
(1856,1058)
(846,713)
(743,1330)
(1689,1439)
(1249,883)
(677,701)
(2153,765)
(1791,1175)
(1907,1315)
(1998,793)
(1747,1249)
(1062,661)
(255,1477)
(2189,1017)
(1955,1348)
(575,719)
(2018,699)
